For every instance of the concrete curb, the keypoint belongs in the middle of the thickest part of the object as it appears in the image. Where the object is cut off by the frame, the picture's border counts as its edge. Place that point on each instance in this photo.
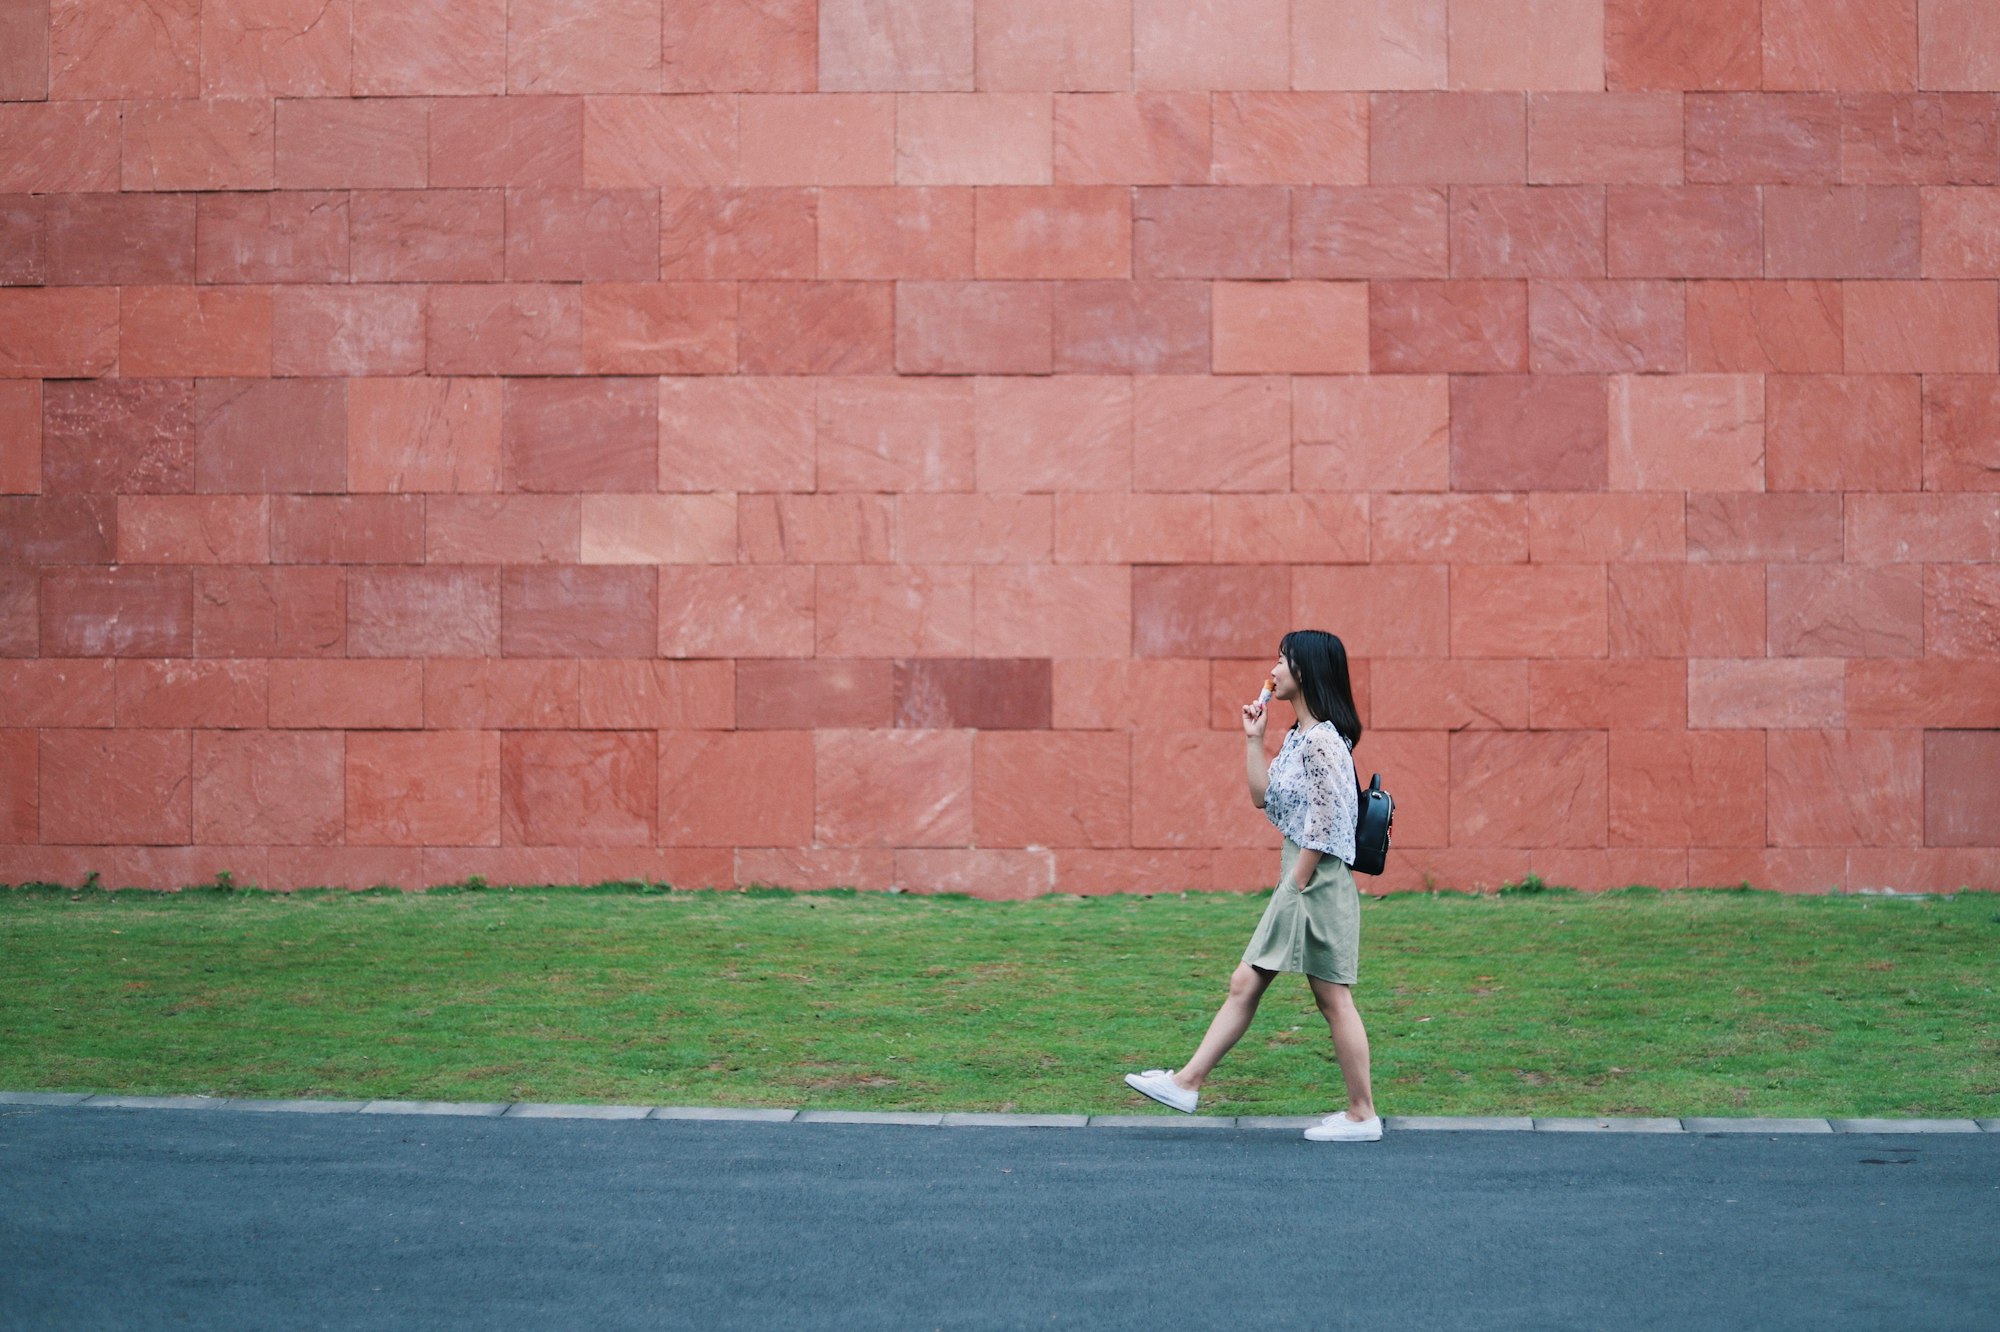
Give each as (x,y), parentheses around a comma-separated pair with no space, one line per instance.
(982,1119)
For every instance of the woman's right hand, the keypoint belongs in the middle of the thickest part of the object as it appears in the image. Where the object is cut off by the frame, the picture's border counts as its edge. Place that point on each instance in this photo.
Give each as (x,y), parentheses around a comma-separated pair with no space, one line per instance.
(1253,721)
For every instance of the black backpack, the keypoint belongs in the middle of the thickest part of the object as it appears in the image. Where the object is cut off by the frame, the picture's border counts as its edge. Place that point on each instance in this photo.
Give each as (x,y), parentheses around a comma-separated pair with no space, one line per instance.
(1371,828)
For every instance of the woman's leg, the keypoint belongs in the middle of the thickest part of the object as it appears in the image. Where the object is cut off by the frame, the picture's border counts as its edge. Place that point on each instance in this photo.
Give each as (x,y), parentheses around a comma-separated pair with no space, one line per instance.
(1350,1043)
(1246,988)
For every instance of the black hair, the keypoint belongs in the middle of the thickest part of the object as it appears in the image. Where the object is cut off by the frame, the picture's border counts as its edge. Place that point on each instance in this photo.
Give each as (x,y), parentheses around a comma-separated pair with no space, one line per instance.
(1318,661)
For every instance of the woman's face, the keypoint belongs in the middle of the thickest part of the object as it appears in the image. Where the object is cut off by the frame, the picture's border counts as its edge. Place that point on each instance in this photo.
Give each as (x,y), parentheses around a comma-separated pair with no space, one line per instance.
(1288,686)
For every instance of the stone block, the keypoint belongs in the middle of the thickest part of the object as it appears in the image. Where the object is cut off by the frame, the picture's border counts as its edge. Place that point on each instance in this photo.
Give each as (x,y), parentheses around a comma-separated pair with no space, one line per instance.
(121,436)
(1517,432)
(597,434)
(289,236)
(961,328)
(527,142)
(1206,611)
(24,251)
(304,1107)
(1762,138)
(1687,609)
(1956,46)
(1456,1123)
(578,788)
(1064,231)
(123,787)
(109,239)
(1053,46)
(817,139)
(130,611)
(1246,45)
(1490,808)
(433,235)
(1786,528)
(58,147)
(1370,231)
(1117,138)
(1447,138)
(422,434)
(1764,327)
(1841,231)
(504,529)
(1938,528)
(912,232)
(1198,434)
(1816,802)
(1371,432)
(656,695)
(1423,529)
(416,48)
(1424,694)
(817,328)
(1127,695)
(1610,695)
(566,235)
(270,611)
(176,693)
(414,611)
(1187,793)
(1918,139)
(792,695)
(1519,231)
(898,789)
(347,529)
(1286,529)
(723,1113)
(1290,138)
(329,143)
(275,48)
(1163,1122)
(745,610)
(1620,138)
(43,1098)
(236,421)
(1438,327)
(208,331)
(1961,769)
(812,869)
(974,139)
(1846,610)
(1382,611)
(1857,44)
(1211,232)
(189,144)
(370,695)
(634,142)
(1682,44)
(1962,611)
(895,46)
(488,694)
(975,1120)
(1609,1124)
(58,332)
(973,529)
(1904,1125)
(429,788)
(1290,327)
(933,693)
(1688,788)
(739,788)
(1596,529)
(1369,47)
(1061,433)
(1529,609)
(20,613)
(1123,328)
(561,46)
(155,1102)
(70,529)
(343,331)
(1685,231)
(1922,327)
(1526,44)
(1843,432)
(510,329)
(1960,228)
(20,787)
(1961,432)
(1755,693)
(737,434)
(1687,433)
(756,48)
(1083,872)
(1582,327)
(547,1110)
(578,611)
(474,1109)
(1054,790)
(280,787)
(895,435)
(1048,611)
(824,529)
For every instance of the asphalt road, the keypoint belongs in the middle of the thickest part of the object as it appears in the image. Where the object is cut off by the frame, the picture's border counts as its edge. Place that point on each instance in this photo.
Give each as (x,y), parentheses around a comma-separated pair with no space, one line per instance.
(218,1219)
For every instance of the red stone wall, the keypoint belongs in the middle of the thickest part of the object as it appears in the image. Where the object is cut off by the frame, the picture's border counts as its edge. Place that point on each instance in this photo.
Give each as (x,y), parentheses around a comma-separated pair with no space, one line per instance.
(882,441)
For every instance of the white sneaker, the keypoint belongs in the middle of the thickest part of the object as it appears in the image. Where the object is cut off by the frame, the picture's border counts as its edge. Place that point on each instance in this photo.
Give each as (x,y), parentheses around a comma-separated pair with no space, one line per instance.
(1159,1084)
(1337,1127)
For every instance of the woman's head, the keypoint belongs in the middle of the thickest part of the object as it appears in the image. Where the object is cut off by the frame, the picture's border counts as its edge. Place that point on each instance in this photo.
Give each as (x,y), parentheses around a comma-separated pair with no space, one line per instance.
(1313,663)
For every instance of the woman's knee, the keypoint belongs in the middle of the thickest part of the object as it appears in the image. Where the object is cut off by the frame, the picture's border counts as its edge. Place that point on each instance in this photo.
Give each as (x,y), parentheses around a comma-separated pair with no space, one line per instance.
(1333,998)
(1246,982)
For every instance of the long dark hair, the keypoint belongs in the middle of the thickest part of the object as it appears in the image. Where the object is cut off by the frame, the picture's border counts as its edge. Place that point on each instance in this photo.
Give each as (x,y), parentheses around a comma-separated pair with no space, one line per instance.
(1319,663)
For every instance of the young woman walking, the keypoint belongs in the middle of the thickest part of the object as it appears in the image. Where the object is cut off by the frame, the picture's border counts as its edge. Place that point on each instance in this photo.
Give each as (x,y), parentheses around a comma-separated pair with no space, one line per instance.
(1313,923)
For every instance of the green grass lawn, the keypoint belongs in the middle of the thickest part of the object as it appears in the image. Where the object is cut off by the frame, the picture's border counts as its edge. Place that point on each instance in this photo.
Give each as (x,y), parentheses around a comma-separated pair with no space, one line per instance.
(1637,1002)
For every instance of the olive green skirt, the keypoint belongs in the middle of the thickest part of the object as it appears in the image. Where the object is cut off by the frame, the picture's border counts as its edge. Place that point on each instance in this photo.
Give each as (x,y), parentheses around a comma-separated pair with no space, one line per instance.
(1318,930)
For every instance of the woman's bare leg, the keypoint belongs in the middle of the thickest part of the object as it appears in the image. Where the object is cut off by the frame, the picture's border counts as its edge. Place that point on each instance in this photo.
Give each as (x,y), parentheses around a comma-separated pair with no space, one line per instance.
(1246,988)
(1350,1043)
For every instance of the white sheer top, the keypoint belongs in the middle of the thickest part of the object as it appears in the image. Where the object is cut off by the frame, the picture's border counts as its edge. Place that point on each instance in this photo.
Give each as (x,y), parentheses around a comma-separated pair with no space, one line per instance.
(1312,795)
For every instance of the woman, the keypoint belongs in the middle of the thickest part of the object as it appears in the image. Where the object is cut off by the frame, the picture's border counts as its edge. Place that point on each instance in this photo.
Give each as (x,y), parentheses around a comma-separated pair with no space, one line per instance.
(1313,923)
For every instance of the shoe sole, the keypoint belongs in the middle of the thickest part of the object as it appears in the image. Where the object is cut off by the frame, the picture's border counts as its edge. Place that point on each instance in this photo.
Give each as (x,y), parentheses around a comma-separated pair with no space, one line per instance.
(1310,1136)
(1186,1110)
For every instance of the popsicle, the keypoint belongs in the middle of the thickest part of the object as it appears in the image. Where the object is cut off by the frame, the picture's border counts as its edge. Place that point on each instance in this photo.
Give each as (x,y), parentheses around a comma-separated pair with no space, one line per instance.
(1270,688)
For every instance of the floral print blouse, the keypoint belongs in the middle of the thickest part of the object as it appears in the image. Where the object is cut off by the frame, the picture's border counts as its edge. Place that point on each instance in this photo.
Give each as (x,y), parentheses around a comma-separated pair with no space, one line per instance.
(1312,795)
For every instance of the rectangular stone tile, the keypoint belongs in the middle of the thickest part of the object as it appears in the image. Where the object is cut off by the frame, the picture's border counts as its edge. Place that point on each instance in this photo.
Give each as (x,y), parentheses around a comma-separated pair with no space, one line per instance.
(295,1107)
(1454,1123)
(43,1098)
(1988,1125)
(723,1112)
(156,1102)
(489,1109)
(867,1117)
(1162,1122)
(1609,1124)
(971,1120)
(1699,1125)
(1904,1126)
(548,1110)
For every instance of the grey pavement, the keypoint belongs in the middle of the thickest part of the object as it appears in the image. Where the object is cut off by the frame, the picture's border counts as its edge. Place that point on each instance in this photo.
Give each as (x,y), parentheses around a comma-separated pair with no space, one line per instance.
(176,1217)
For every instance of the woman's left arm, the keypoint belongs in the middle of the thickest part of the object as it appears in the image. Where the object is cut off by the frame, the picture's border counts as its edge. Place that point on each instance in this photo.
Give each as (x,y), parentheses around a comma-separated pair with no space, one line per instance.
(1303,867)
